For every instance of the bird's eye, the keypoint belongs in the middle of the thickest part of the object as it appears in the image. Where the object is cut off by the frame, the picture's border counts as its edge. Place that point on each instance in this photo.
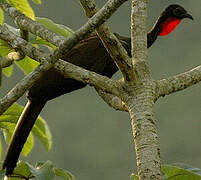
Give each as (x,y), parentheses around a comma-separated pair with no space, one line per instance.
(177,11)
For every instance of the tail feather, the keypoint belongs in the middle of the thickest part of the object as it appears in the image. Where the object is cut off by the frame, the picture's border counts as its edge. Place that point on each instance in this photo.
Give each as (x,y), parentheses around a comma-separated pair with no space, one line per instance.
(21,133)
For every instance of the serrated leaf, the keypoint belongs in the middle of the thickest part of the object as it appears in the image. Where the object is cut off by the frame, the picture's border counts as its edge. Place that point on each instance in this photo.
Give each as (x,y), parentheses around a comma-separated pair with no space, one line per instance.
(37,1)
(40,129)
(44,172)
(64,174)
(1,16)
(177,173)
(24,7)
(27,64)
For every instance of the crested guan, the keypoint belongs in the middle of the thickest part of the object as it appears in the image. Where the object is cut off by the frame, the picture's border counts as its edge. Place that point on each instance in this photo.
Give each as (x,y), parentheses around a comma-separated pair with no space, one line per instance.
(91,55)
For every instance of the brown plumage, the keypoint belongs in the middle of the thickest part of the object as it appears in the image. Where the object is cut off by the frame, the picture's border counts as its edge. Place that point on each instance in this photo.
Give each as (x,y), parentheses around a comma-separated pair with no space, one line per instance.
(91,55)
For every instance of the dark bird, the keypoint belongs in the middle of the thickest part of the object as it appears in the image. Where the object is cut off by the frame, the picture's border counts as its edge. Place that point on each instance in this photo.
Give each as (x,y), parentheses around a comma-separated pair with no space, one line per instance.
(91,55)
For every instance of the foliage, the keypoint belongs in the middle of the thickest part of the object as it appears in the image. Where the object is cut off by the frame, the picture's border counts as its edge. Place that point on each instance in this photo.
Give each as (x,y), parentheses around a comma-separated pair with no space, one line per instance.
(27,64)
(177,172)
(57,28)
(46,171)
(8,121)
(24,7)
(181,172)
(41,171)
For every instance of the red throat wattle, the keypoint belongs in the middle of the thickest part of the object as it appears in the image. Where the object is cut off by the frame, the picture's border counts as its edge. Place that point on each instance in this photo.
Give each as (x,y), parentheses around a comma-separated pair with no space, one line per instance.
(169,25)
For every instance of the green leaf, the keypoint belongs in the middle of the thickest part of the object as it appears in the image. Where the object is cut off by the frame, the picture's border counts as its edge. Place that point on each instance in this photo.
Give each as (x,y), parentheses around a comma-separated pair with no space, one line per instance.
(28,146)
(0,148)
(37,1)
(43,133)
(8,131)
(64,174)
(2,173)
(40,129)
(24,7)
(23,169)
(27,64)
(8,71)
(57,28)
(177,173)
(1,16)
(43,42)
(188,167)
(134,177)
(44,172)
(2,1)
(4,50)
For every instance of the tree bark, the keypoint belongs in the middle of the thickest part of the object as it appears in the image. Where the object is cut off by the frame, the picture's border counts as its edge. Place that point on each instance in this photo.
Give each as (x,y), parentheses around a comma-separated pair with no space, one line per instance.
(135,93)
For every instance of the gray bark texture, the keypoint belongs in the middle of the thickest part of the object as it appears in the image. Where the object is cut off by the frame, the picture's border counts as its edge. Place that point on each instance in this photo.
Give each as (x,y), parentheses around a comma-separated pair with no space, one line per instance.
(135,93)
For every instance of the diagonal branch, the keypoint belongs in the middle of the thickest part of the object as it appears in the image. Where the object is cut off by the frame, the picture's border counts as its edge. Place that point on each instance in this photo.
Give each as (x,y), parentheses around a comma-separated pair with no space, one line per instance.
(88,77)
(65,46)
(179,82)
(63,67)
(19,89)
(34,27)
(111,43)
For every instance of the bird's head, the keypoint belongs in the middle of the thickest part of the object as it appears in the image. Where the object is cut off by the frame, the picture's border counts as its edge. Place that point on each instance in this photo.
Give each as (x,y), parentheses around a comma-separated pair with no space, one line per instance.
(171,17)
(177,11)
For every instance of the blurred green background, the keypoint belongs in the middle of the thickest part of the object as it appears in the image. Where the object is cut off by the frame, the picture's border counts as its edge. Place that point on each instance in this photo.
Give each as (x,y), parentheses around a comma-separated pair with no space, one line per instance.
(94,141)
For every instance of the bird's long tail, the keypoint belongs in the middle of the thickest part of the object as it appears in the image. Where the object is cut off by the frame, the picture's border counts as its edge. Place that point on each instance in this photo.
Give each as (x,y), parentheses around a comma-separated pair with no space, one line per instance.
(19,137)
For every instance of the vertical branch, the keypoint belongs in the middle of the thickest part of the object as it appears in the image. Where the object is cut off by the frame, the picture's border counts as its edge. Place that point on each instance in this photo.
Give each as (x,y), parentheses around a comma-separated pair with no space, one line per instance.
(138,30)
(141,110)
(140,101)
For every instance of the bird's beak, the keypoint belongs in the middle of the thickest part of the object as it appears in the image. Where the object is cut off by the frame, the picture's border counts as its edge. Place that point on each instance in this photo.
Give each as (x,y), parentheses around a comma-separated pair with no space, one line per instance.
(188,16)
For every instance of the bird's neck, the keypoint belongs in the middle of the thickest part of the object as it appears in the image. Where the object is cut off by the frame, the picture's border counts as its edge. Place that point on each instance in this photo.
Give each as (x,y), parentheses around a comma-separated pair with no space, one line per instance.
(162,27)
(155,31)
